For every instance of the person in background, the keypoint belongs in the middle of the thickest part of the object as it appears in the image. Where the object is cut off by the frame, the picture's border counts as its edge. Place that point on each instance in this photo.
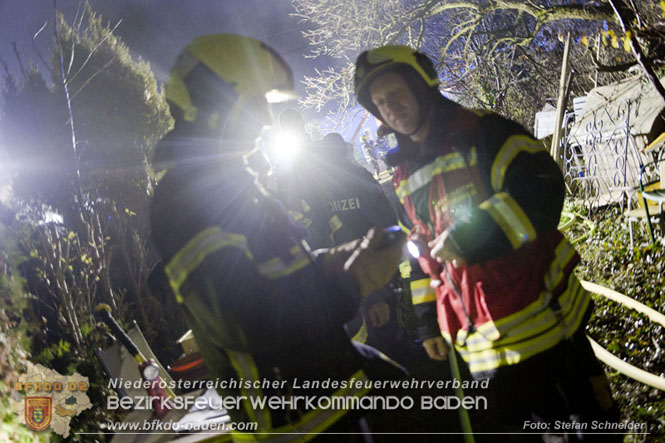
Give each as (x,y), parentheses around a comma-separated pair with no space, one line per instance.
(369,152)
(347,201)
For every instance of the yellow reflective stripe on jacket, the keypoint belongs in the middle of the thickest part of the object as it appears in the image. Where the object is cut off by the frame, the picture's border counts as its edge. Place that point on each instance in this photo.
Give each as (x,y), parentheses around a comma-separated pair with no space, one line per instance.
(535,328)
(484,333)
(361,335)
(295,215)
(511,147)
(276,267)
(563,257)
(515,352)
(573,303)
(245,367)
(511,219)
(313,422)
(335,225)
(307,222)
(197,249)
(564,254)
(536,334)
(406,230)
(440,165)
(422,292)
(305,207)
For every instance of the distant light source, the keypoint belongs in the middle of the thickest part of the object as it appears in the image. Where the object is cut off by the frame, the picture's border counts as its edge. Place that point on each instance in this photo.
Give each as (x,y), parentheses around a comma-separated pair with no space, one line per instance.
(276,96)
(287,146)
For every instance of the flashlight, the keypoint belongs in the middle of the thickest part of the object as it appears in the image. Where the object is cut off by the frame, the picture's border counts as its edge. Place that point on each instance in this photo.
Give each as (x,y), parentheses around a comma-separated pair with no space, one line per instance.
(417,247)
(413,249)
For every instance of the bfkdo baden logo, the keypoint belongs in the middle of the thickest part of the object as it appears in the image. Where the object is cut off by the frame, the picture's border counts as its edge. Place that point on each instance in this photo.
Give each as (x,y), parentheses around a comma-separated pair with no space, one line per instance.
(38,412)
(44,399)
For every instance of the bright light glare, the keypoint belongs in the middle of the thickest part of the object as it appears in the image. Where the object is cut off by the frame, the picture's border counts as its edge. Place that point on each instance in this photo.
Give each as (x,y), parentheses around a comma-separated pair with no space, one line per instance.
(413,249)
(276,96)
(287,145)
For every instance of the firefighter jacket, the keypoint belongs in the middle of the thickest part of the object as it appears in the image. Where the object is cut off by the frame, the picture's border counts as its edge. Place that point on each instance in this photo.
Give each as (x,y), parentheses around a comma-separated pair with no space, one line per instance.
(499,194)
(265,318)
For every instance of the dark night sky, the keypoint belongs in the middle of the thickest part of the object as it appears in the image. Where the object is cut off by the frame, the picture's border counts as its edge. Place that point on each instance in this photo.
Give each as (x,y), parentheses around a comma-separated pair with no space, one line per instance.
(158,29)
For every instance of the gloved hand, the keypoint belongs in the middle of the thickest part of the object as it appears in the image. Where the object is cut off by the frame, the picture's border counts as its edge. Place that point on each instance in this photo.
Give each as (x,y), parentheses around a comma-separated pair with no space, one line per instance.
(370,261)
(375,260)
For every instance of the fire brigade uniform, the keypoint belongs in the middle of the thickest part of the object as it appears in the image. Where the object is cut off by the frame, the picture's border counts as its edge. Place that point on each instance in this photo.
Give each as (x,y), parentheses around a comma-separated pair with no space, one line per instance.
(258,305)
(266,319)
(514,304)
(515,295)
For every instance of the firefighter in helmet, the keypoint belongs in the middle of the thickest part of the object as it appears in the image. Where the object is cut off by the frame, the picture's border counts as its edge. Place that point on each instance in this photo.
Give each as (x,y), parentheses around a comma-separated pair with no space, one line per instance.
(266,312)
(483,199)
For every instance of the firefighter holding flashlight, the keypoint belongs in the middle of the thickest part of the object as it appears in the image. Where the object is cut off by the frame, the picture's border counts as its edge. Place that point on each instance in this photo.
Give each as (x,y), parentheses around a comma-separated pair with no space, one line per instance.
(482,200)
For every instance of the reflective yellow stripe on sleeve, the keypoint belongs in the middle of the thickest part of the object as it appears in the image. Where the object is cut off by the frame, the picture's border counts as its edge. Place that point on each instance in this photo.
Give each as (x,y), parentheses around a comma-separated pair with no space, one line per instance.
(197,249)
(277,267)
(513,146)
(422,292)
(406,230)
(305,207)
(361,335)
(245,367)
(511,219)
(295,215)
(335,225)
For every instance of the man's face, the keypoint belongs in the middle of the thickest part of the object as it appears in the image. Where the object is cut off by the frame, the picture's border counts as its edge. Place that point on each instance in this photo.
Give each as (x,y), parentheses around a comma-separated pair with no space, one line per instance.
(395,101)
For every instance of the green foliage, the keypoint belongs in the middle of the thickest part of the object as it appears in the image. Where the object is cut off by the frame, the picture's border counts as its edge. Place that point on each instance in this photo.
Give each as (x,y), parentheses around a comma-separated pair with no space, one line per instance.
(118,116)
(10,427)
(124,112)
(636,272)
(14,329)
(93,170)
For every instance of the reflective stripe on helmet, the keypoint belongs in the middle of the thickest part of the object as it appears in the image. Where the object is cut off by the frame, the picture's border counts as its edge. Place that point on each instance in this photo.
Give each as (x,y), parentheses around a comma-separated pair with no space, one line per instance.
(372,63)
(249,66)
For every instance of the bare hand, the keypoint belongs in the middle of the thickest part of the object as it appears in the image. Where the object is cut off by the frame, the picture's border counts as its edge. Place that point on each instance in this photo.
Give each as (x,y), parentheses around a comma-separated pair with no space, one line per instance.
(436,348)
(443,250)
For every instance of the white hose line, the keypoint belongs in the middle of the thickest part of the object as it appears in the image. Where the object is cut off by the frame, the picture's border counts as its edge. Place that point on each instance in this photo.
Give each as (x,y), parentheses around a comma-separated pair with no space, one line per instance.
(569,223)
(625,368)
(614,362)
(626,301)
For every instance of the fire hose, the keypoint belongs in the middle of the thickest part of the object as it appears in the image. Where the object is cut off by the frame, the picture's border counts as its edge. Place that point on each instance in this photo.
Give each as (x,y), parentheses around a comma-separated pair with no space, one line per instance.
(614,362)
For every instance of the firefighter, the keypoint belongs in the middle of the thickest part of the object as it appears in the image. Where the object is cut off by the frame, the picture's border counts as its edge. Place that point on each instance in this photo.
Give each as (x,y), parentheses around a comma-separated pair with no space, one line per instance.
(482,201)
(266,312)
